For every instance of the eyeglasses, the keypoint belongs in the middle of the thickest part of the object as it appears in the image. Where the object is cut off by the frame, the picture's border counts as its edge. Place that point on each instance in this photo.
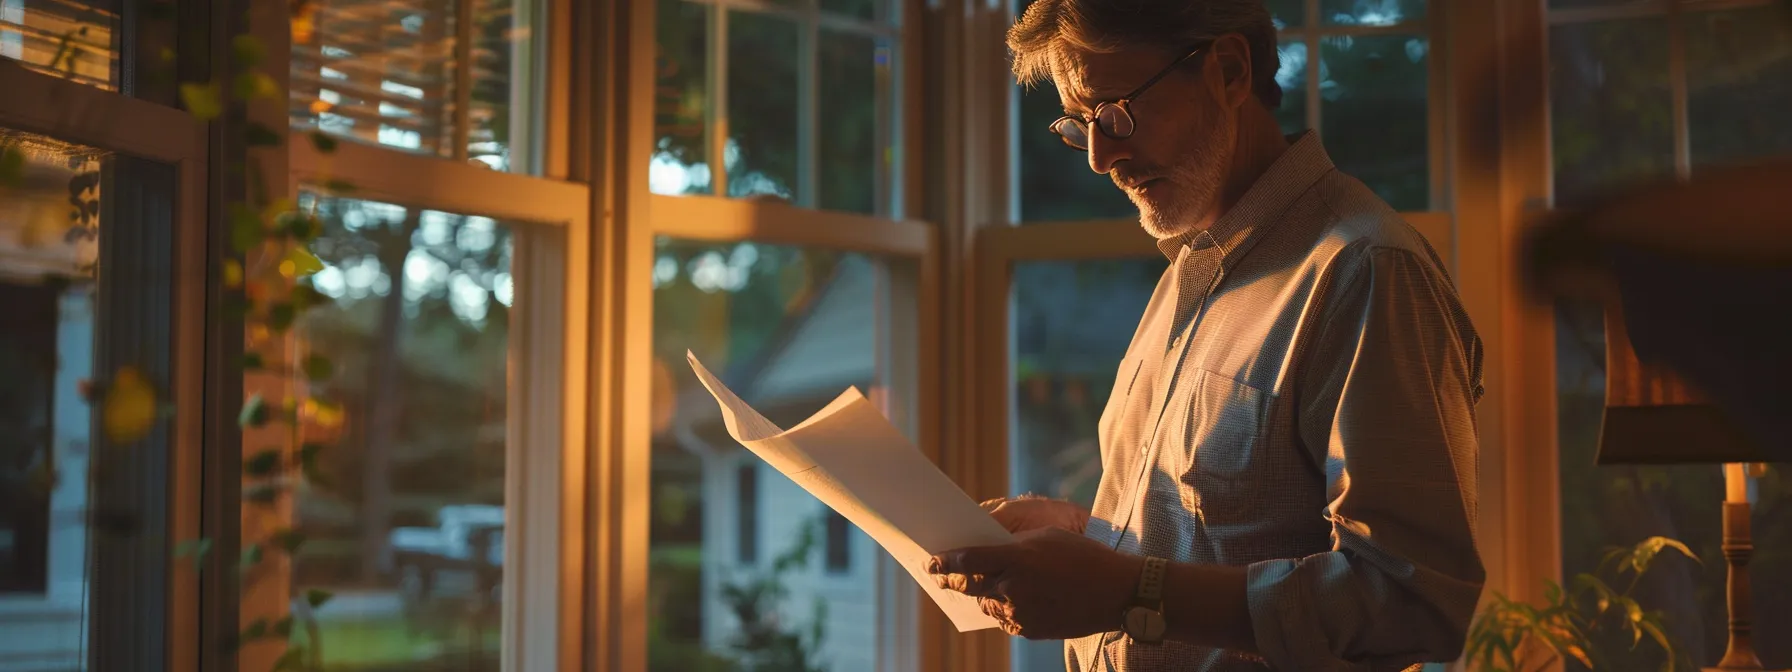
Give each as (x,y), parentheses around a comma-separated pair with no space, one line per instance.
(1113,117)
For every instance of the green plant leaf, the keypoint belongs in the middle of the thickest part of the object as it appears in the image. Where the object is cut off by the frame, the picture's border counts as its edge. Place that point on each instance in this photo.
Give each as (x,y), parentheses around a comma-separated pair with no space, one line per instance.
(246,230)
(196,549)
(281,316)
(283,627)
(259,135)
(202,100)
(304,263)
(263,464)
(252,361)
(318,367)
(323,142)
(251,556)
(293,660)
(316,598)
(288,540)
(248,50)
(255,412)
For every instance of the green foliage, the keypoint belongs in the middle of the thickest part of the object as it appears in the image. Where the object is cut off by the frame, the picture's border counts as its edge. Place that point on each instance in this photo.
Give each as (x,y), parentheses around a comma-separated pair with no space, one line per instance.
(1576,623)
(764,643)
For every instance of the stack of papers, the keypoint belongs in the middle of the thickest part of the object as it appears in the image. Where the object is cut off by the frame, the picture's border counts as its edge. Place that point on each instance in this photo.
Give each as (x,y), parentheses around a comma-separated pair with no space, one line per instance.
(852,459)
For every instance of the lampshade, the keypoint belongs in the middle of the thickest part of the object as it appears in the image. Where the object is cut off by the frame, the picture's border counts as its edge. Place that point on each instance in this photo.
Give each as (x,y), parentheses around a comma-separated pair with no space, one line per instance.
(1652,416)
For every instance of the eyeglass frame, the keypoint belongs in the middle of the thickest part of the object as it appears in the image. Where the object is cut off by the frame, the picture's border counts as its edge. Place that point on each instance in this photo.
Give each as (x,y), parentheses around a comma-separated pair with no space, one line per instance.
(1123,104)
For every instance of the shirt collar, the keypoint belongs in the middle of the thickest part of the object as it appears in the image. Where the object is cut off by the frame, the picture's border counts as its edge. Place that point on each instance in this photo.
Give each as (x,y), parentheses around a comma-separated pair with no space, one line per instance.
(1292,174)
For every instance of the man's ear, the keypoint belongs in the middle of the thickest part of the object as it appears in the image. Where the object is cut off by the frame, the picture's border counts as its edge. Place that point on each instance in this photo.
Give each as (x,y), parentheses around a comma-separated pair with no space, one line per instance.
(1232,61)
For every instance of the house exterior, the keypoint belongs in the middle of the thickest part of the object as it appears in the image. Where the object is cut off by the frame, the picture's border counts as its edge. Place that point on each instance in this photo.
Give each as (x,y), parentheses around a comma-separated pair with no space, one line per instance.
(752,514)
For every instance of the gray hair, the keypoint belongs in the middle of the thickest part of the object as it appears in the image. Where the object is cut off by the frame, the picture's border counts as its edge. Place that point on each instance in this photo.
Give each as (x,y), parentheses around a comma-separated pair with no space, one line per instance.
(1049,28)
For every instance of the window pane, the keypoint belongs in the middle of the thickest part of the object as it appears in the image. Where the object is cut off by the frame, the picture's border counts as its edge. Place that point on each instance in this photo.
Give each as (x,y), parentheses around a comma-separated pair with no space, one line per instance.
(1375,114)
(762,105)
(74,38)
(789,329)
(681,101)
(48,336)
(1072,322)
(1611,506)
(1292,76)
(408,531)
(854,121)
(1577,4)
(1739,83)
(390,73)
(1611,111)
(1371,12)
(1288,13)
(869,10)
(1055,180)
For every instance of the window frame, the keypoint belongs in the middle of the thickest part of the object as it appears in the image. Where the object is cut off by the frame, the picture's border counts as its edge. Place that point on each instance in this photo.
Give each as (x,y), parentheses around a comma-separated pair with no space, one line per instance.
(157,592)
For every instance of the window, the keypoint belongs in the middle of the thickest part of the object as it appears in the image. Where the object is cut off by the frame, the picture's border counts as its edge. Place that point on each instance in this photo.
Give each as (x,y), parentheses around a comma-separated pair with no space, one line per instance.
(73,39)
(1367,92)
(407,526)
(446,77)
(746,507)
(788,328)
(787,100)
(839,542)
(1642,92)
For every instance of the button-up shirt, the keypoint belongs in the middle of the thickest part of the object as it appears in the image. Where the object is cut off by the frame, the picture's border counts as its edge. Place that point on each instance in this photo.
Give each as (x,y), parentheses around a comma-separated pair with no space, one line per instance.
(1298,400)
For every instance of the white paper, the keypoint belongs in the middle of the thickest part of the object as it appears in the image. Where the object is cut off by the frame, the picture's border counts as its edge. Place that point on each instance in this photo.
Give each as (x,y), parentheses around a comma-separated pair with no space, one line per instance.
(853,460)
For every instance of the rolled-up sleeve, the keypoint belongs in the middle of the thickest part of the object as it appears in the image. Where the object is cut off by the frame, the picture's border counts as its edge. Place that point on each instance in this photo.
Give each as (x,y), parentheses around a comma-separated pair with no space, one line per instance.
(1386,406)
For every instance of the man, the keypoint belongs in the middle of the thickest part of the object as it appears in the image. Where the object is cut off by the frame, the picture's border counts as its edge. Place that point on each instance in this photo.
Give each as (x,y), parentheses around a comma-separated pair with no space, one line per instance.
(1289,448)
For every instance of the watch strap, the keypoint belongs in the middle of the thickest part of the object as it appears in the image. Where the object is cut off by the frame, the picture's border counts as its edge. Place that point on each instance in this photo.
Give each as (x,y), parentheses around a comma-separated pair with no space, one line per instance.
(1151,583)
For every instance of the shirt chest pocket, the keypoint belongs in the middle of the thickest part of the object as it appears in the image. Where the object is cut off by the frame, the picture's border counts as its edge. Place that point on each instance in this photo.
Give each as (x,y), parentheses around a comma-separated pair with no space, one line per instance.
(1221,445)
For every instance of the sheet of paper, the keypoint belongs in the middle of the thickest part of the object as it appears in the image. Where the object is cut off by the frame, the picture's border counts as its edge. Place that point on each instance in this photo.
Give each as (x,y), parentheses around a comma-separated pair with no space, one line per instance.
(853,460)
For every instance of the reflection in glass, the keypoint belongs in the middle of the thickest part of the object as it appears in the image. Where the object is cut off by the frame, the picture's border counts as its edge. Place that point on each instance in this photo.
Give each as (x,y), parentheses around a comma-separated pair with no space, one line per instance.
(408,530)
(387,72)
(1054,179)
(1376,115)
(1291,75)
(869,10)
(1611,112)
(1072,322)
(1371,12)
(1603,507)
(744,571)
(681,101)
(854,124)
(78,39)
(1739,84)
(48,332)
(761,155)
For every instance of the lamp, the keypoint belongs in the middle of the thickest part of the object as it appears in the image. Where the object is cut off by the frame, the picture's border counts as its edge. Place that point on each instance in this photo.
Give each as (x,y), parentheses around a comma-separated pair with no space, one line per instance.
(1653,417)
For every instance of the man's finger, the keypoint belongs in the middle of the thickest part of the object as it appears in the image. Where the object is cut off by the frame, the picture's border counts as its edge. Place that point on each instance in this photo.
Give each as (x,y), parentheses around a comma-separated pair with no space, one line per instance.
(973,560)
(991,504)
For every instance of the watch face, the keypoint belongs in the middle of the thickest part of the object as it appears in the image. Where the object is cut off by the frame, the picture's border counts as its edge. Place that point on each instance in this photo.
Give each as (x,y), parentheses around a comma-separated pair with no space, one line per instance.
(1145,625)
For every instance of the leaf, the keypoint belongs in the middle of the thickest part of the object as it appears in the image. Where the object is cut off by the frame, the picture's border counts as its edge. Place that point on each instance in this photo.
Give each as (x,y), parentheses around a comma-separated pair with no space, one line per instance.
(251,556)
(259,135)
(304,296)
(233,273)
(255,630)
(281,316)
(318,367)
(300,263)
(283,627)
(1644,553)
(255,412)
(323,142)
(308,463)
(202,100)
(263,464)
(288,540)
(293,660)
(129,409)
(248,50)
(1553,593)
(196,549)
(246,230)
(316,598)
(252,361)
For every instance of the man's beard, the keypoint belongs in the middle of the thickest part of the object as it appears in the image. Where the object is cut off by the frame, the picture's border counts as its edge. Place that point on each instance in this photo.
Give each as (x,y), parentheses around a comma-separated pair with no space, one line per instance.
(1186,192)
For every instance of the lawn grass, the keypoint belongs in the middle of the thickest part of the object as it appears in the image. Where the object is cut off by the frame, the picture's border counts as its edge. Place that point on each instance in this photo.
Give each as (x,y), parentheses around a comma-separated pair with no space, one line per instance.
(362,643)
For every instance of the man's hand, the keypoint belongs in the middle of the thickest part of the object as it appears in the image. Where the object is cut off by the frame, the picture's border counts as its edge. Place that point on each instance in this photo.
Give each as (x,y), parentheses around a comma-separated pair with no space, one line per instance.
(1032,513)
(1049,584)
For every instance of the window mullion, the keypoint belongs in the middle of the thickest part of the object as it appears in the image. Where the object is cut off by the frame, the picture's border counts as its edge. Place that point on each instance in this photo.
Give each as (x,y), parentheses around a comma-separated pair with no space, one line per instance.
(718,100)
(808,108)
(463,79)
(1312,38)
(1677,86)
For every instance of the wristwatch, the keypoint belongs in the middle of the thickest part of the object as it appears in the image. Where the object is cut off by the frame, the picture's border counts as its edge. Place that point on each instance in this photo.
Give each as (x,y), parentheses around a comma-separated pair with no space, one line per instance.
(1143,622)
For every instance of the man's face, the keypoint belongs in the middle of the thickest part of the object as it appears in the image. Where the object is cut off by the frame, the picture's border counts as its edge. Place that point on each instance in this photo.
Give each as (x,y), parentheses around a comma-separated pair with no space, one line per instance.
(1173,167)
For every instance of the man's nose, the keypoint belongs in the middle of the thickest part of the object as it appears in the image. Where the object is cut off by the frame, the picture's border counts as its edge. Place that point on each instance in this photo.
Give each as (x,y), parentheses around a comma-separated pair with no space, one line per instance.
(1104,151)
